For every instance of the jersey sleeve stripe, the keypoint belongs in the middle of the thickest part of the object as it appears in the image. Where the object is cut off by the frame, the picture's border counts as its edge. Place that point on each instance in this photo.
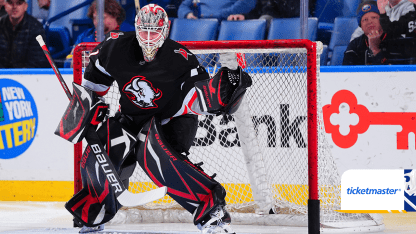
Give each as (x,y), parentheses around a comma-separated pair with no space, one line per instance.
(100,89)
(97,64)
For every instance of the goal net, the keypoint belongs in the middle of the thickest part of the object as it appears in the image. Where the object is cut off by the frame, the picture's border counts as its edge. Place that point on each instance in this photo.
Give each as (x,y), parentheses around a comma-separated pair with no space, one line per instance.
(271,155)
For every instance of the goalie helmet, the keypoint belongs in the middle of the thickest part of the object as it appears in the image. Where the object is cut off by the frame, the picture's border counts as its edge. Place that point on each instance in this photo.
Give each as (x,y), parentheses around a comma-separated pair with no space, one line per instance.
(152,29)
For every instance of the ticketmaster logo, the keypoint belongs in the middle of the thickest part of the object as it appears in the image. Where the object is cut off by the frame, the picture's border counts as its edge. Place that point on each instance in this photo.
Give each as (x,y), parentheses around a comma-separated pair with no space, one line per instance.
(369,191)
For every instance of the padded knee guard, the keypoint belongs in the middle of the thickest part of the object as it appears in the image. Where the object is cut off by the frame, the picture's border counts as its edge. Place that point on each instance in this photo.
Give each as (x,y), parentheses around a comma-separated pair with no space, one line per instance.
(96,203)
(187,183)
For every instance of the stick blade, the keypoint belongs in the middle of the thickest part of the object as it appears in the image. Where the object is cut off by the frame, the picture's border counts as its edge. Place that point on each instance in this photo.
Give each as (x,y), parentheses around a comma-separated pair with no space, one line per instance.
(130,199)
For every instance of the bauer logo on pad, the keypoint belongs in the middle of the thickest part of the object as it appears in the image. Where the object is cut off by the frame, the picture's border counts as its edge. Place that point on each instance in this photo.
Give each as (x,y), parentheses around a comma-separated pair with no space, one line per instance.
(378,191)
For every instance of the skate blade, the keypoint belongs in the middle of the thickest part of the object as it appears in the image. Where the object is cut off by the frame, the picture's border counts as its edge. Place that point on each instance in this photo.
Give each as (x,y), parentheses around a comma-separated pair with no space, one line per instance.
(86,229)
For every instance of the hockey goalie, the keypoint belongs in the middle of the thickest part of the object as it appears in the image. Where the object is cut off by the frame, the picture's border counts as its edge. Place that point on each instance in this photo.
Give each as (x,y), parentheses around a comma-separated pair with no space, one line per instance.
(163,90)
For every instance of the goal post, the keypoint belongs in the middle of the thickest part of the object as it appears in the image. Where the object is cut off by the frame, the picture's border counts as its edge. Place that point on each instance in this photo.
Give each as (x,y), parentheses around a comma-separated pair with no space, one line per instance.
(271,155)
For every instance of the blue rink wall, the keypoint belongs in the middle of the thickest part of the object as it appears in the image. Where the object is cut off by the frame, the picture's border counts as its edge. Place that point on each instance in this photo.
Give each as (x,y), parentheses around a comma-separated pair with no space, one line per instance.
(36,165)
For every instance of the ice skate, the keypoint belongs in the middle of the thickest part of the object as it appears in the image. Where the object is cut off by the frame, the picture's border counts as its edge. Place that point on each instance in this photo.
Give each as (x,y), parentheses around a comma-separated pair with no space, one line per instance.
(86,229)
(218,222)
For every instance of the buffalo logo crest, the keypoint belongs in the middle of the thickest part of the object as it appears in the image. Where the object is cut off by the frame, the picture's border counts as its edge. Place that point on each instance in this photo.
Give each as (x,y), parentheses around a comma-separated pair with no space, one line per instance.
(141,92)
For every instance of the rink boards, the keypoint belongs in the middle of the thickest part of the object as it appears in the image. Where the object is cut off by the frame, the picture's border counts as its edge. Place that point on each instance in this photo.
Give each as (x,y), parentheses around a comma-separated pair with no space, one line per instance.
(44,171)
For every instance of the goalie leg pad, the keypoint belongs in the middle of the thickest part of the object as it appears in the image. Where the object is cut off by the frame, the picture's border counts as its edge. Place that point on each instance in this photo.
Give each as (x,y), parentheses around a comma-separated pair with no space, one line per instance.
(187,183)
(217,198)
(96,203)
(84,110)
(222,94)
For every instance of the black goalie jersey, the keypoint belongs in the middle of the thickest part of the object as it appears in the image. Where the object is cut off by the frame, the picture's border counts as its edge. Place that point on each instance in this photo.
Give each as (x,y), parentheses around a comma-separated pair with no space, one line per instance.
(163,87)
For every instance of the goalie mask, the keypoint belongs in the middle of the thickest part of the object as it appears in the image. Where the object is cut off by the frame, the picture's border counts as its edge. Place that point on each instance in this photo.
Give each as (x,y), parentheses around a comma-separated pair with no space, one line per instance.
(152,29)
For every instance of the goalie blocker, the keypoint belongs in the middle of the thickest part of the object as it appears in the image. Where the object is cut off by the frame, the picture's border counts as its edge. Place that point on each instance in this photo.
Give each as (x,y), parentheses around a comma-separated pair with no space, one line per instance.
(84,110)
(222,94)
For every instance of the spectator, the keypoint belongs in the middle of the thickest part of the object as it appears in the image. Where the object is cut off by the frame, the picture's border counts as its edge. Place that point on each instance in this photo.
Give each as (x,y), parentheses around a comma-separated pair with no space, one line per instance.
(114,15)
(18,31)
(253,14)
(44,4)
(2,10)
(369,48)
(269,9)
(283,8)
(40,10)
(219,9)
(398,17)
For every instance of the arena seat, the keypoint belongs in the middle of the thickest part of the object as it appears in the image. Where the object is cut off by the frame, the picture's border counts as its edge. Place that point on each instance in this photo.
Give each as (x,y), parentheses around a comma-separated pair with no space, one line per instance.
(289,28)
(130,9)
(58,26)
(350,8)
(326,11)
(242,30)
(29,8)
(337,55)
(194,30)
(343,29)
(127,27)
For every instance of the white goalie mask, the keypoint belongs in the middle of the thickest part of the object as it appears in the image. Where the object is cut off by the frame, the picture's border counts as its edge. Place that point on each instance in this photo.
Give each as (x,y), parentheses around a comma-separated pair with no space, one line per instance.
(152,29)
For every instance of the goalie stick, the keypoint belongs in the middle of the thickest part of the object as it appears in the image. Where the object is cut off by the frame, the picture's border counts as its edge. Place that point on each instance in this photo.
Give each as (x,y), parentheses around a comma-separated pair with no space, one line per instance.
(137,5)
(125,197)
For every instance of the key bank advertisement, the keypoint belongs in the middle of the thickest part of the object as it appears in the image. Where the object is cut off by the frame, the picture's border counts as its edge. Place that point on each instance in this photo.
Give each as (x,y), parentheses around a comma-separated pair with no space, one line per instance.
(370,118)
(18,119)
(378,191)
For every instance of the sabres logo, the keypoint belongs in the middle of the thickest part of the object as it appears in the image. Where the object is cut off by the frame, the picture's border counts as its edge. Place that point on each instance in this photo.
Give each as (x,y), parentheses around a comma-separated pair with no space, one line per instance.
(366,7)
(141,93)
(183,53)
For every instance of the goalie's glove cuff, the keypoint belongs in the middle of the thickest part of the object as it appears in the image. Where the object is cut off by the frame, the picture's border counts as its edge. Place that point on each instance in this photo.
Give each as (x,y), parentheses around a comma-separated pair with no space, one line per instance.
(222,94)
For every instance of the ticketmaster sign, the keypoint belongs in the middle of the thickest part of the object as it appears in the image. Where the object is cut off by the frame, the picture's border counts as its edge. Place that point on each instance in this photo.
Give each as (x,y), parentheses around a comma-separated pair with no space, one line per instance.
(378,191)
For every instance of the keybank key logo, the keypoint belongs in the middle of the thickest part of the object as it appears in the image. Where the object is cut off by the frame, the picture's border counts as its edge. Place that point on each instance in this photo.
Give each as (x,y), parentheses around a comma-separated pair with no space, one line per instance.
(20,119)
(345,120)
(410,190)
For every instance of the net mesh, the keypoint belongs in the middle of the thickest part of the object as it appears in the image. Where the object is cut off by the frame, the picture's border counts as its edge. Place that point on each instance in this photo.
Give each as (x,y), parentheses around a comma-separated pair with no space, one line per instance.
(260,153)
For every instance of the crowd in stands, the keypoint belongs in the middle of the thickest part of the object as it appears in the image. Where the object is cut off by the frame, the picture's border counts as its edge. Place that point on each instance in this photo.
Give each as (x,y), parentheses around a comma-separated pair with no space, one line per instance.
(356,32)
(18,30)
(387,34)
